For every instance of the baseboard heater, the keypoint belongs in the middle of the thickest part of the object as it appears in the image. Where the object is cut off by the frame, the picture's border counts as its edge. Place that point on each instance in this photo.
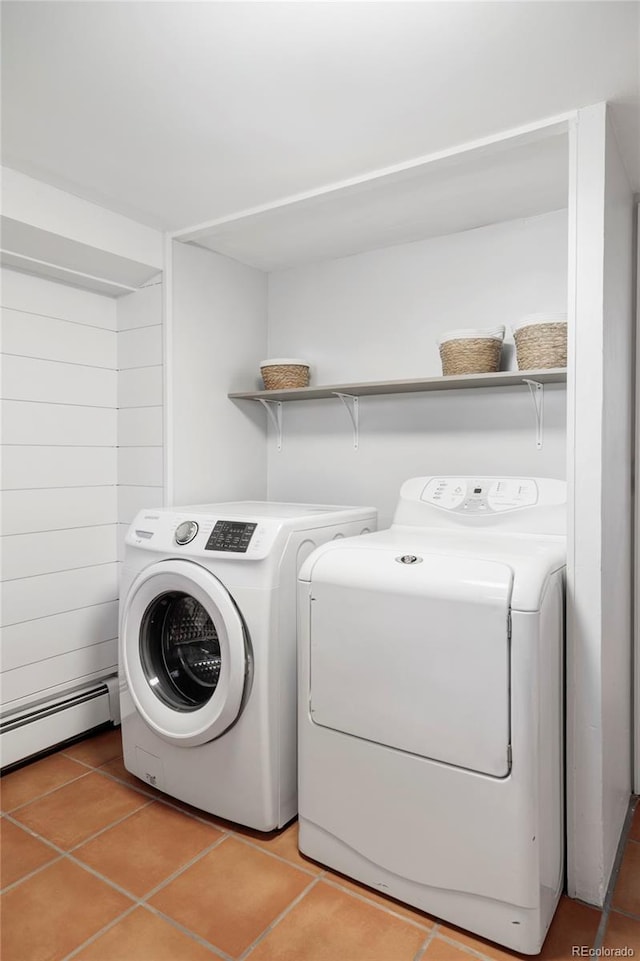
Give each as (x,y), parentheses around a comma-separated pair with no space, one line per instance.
(41,726)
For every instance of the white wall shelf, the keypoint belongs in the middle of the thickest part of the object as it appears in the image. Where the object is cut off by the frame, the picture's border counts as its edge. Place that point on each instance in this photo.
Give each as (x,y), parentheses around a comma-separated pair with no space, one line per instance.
(535,380)
(503,378)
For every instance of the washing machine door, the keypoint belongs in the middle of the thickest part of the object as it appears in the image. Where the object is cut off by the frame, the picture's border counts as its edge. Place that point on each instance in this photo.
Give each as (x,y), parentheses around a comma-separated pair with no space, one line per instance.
(185,652)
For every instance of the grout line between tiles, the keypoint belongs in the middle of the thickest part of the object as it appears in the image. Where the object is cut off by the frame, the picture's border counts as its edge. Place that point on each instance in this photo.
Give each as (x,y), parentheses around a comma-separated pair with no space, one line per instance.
(134,787)
(422,950)
(167,801)
(184,867)
(467,948)
(205,819)
(39,797)
(187,931)
(278,919)
(142,902)
(67,855)
(272,854)
(87,764)
(626,914)
(98,934)
(32,833)
(31,874)
(68,852)
(376,904)
(112,824)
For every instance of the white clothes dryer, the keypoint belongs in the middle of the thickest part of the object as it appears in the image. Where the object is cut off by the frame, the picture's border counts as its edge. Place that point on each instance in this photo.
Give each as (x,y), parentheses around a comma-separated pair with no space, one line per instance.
(207,651)
(430,704)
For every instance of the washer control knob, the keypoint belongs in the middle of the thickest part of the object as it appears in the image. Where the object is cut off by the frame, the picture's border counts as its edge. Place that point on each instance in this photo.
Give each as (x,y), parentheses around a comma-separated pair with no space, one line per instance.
(185,532)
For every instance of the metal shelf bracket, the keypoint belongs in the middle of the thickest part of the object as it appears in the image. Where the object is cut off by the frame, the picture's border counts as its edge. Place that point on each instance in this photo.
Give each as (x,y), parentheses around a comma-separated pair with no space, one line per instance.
(274,410)
(350,403)
(537,395)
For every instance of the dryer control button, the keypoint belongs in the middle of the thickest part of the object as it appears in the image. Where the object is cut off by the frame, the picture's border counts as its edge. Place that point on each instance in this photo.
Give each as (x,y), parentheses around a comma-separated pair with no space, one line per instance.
(185,532)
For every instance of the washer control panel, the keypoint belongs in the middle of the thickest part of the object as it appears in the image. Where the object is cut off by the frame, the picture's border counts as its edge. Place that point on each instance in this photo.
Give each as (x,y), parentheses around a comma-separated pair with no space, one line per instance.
(481,495)
(231,536)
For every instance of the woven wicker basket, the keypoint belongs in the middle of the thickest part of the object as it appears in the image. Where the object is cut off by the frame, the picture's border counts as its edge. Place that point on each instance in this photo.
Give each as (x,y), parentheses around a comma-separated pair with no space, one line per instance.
(471,351)
(541,341)
(283,373)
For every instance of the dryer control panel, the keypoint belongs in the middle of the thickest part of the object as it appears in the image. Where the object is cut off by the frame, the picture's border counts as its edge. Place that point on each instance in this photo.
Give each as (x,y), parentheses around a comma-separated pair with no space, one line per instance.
(480,495)
(526,505)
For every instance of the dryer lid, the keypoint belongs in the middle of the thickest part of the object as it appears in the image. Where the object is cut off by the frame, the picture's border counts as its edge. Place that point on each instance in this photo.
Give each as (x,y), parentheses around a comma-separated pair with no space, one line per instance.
(414,654)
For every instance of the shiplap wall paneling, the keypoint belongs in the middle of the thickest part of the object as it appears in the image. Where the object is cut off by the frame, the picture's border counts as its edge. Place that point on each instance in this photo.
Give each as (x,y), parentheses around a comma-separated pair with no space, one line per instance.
(59,487)
(29,467)
(30,511)
(30,598)
(45,552)
(34,336)
(57,382)
(140,397)
(83,664)
(31,641)
(34,295)
(36,424)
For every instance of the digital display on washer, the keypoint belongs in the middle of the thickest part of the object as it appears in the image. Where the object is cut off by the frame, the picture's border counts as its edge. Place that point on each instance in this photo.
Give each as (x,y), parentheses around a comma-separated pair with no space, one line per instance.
(230,536)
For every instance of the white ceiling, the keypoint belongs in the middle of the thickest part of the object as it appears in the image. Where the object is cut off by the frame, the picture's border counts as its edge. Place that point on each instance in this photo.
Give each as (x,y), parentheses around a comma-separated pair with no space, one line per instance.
(177,112)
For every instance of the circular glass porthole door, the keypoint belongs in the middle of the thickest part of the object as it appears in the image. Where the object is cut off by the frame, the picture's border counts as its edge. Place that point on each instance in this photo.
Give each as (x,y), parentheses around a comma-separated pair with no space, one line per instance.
(180,651)
(185,652)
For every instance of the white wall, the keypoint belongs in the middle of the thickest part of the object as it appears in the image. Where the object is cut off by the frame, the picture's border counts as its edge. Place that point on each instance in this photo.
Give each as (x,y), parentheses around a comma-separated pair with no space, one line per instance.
(140,403)
(599,570)
(617,498)
(218,338)
(636,702)
(59,479)
(376,316)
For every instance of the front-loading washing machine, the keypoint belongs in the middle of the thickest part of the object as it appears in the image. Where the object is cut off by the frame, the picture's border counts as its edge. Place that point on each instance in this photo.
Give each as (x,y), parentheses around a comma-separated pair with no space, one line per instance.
(430,704)
(208,655)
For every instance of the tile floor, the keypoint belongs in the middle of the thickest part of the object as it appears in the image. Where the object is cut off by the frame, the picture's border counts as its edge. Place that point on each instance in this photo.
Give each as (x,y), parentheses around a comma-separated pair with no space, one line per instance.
(96,866)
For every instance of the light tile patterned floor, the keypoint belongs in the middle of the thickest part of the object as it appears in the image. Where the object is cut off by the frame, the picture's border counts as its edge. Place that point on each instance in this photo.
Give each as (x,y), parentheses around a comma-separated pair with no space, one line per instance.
(98,867)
